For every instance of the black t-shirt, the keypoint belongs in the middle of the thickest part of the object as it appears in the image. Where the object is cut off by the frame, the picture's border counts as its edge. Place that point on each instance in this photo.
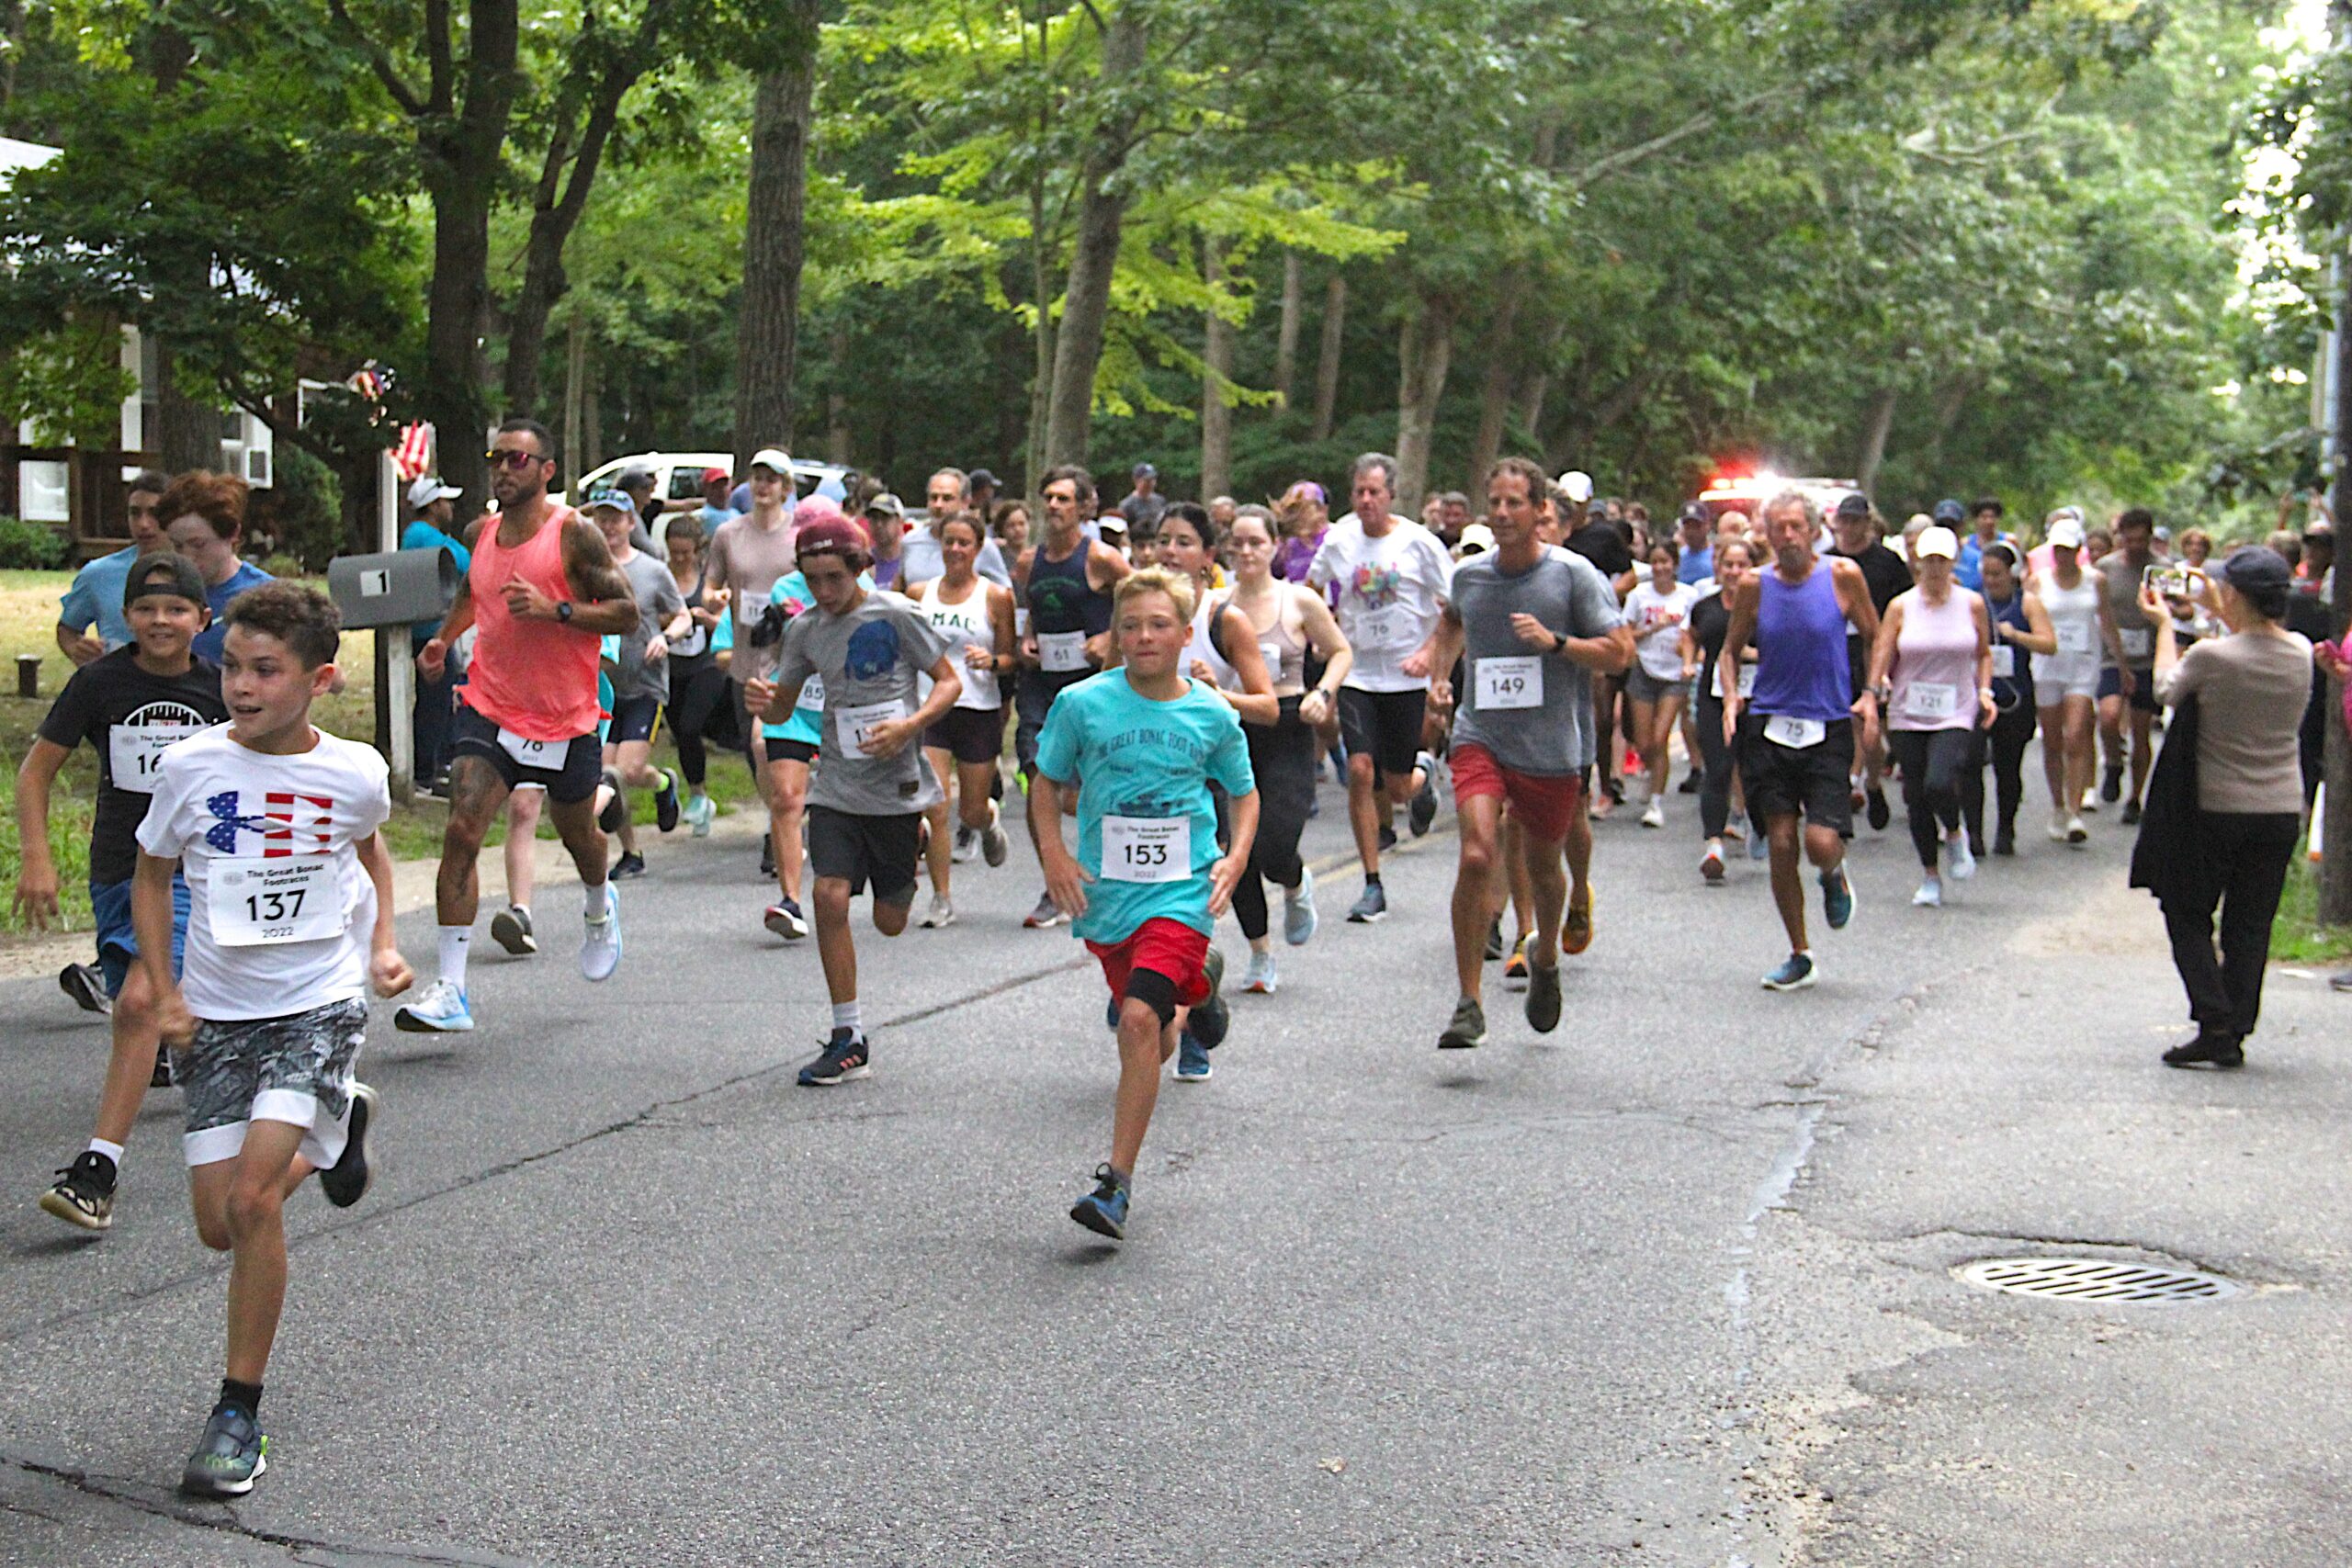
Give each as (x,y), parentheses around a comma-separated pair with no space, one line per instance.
(1604,547)
(1884,572)
(114,693)
(1710,620)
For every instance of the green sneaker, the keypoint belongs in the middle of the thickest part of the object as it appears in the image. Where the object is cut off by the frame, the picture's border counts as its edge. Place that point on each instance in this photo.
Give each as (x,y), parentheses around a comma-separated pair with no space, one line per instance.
(231,1458)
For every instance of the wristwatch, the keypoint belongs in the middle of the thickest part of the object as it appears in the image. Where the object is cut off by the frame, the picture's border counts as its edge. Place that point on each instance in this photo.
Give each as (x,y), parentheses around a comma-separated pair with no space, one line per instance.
(563,611)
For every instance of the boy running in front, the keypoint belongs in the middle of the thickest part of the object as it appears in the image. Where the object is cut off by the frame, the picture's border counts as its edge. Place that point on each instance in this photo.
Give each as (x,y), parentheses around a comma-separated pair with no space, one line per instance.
(1141,744)
(130,706)
(290,917)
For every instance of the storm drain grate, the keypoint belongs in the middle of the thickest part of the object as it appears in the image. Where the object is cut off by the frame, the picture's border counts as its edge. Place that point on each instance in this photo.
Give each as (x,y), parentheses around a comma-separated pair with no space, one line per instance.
(2097,1279)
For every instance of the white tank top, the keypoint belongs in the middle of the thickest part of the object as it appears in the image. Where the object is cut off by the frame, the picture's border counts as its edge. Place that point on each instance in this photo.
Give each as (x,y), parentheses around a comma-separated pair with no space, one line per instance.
(964,626)
(2073,617)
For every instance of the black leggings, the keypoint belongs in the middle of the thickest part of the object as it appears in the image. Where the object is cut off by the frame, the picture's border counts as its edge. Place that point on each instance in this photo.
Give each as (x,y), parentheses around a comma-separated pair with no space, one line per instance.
(2012,730)
(1284,759)
(1933,763)
(1714,754)
(698,707)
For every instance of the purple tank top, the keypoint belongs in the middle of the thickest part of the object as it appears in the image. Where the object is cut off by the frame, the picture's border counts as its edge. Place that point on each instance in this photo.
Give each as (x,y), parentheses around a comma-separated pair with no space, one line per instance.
(1800,670)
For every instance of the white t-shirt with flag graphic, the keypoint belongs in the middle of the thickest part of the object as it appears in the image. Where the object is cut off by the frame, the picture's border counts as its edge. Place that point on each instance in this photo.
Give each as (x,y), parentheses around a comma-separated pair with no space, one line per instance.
(279,908)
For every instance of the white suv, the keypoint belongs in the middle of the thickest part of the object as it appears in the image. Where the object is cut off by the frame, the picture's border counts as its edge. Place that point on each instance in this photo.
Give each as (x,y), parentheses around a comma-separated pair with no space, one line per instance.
(677,475)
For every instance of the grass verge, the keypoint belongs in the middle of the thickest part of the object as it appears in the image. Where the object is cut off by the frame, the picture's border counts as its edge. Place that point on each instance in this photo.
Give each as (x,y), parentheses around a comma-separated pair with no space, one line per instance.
(2297,936)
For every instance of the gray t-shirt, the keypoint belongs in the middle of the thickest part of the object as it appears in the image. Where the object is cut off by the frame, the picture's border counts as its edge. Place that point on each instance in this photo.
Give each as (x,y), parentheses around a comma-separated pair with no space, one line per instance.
(657,604)
(869,659)
(1532,711)
(919,560)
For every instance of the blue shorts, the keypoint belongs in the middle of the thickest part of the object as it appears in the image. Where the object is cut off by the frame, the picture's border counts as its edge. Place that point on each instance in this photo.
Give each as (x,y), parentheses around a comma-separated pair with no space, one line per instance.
(2143,687)
(117,947)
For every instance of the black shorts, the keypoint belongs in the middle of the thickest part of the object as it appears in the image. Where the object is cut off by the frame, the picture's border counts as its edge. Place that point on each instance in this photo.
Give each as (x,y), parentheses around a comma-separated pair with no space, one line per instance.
(881,851)
(2143,688)
(633,718)
(782,749)
(576,779)
(1035,696)
(972,735)
(1384,726)
(1783,781)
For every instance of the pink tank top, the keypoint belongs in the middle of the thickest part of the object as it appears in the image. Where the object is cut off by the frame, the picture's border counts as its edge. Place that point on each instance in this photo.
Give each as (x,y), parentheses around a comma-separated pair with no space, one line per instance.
(1935,664)
(536,678)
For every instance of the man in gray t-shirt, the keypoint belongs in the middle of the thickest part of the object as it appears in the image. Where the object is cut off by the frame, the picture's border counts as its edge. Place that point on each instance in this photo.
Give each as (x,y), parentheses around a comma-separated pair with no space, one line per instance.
(1530,626)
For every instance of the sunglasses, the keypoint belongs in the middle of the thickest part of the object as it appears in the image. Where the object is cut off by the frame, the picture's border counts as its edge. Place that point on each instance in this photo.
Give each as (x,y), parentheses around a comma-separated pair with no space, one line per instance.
(513,457)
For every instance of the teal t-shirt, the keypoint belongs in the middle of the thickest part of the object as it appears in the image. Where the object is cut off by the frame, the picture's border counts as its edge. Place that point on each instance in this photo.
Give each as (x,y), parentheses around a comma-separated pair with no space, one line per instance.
(791,590)
(1143,768)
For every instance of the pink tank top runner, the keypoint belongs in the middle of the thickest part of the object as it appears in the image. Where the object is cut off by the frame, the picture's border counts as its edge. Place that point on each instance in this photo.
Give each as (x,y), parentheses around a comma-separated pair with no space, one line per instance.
(536,678)
(1935,665)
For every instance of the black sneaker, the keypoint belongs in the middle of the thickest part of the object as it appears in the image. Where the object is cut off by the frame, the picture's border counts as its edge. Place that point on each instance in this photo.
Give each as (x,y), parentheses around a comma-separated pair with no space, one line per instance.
(628,866)
(160,1077)
(2110,785)
(83,1193)
(87,985)
(1495,941)
(844,1059)
(1422,810)
(231,1458)
(1387,837)
(2220,1050)
(347,1179)
(665,802)
(1874,802)
(2005,842)
(1213,1019)
(1465,1029)
(1544,997)
(1690,784)
(616,810)
(768,857)
(2131,813)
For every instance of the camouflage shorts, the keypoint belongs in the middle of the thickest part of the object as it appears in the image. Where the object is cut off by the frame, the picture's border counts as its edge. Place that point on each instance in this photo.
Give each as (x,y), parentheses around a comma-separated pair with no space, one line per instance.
(295,1069)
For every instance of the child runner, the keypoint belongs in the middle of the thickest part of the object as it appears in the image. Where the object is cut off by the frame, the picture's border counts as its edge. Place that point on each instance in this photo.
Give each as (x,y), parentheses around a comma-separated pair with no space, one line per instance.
(871,787)
(1141,744)
(130,705)
(290,918)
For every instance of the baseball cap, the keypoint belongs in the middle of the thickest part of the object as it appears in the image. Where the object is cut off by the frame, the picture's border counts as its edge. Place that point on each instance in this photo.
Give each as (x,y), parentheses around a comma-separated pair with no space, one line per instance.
(427,490)
(831,535)
(981,479)
(1855,504)
(633,476)
(163,571)
(1577,485)
(605,496)
(1950,511)
(1145,471)
(1937,541)
(2066,534)
(1477,539)
(887,504)
(2252,569)
(716,477)
(1111,523)
(1695,512)
(774,459)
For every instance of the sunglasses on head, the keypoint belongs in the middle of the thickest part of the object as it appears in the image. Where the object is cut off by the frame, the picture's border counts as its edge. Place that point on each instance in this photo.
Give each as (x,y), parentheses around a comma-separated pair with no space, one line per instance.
(513,457)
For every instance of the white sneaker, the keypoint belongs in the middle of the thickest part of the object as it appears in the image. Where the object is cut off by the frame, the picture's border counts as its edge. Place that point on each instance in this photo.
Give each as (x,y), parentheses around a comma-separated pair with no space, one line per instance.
(1929,896)
(1259,978)
(993,843)
(2090,799)
(941,913)
(699,813)
(600,940)
(967,845)
(1958,863)
(440,1008)
(2077,830)
(1655,815)
(2059,822)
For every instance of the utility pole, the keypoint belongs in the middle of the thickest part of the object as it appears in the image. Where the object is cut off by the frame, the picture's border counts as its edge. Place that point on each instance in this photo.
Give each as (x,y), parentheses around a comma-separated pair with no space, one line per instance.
(2335,830)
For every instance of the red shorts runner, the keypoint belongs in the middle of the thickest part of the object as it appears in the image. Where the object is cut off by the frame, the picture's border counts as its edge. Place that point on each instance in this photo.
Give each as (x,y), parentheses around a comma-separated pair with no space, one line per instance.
(1168,948)
(1544,806)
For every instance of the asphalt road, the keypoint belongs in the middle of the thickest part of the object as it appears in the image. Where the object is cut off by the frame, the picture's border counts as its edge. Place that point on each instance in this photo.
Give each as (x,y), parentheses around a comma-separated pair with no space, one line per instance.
(1671,1285)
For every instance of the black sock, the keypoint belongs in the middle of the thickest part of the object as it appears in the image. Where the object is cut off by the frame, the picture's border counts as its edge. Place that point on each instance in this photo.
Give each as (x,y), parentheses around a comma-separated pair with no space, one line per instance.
(245,1396)
(1372,879)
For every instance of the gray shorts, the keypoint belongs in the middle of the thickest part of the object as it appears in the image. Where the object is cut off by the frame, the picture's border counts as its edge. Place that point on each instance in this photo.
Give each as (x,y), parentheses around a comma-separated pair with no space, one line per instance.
(1644,687)
(295,1069)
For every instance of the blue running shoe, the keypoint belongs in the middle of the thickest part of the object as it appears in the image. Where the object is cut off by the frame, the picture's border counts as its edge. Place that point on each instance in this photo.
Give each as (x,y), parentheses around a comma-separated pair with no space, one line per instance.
(1299,919)
(1191,1059)
(1836,897)
(1371,905)
(1104,1210)
(1111,1016)
(1794,974)
(440,1010)
(231,1458)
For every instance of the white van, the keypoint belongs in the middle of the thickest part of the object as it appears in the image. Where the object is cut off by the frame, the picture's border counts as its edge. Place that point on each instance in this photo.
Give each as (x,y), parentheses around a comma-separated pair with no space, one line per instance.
(677,475)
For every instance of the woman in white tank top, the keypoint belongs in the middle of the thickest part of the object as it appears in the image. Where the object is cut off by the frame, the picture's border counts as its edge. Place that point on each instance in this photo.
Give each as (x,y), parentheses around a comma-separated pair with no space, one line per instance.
(974,615)
(2065,680)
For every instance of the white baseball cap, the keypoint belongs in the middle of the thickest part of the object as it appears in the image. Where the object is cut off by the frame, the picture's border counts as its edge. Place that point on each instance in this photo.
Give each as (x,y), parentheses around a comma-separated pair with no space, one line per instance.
(1936,540)
(2066,534)
(774,459)
(1577,485)
(427,490)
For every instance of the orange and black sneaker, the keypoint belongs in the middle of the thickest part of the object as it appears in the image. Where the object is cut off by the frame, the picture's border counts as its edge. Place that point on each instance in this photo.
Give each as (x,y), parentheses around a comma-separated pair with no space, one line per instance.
(1576,925)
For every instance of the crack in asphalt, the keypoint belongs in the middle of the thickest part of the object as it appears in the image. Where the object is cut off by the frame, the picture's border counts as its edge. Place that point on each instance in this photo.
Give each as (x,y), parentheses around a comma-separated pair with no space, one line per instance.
(136,1497)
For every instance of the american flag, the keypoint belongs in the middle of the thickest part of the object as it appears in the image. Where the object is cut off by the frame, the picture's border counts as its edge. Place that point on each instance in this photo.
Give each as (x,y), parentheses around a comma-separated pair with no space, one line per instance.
(413,456)
(289,824)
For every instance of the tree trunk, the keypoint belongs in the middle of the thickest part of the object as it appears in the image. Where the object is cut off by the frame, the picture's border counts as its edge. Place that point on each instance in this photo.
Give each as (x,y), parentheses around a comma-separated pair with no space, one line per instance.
(1287,337)
(1876,426)
(837,436)
(1950,401)
(575,395)
(1216,358)
(1531,399)
(1327,360)
(592,419)
(1425,352)
(187,431)
(774,240)
(555,212)
(1101,216)
(2336,828)
(1495,387)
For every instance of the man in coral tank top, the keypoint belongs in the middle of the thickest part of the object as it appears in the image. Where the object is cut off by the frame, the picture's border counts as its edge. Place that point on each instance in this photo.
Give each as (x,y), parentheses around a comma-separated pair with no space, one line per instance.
(542,591)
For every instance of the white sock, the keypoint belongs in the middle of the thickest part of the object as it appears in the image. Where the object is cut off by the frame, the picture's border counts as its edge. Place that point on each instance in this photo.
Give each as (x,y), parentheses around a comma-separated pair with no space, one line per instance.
(592,900)
(455,941)
(845,1016)
(522,910)
(112,1151)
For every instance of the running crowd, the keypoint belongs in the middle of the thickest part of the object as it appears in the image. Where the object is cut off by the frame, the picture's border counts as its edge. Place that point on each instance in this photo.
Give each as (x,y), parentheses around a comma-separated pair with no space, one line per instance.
(1178,676)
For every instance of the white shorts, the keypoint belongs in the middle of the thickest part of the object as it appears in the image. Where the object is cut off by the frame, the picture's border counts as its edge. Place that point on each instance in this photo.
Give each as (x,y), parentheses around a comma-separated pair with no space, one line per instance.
(2057,676)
